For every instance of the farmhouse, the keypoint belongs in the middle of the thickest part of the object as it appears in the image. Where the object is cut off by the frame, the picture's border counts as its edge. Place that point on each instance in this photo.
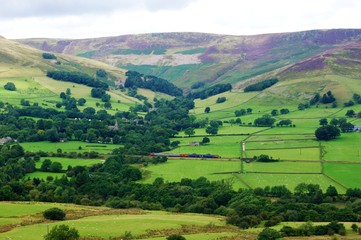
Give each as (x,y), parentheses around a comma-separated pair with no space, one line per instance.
(194,144)
(5,140)
(357,128)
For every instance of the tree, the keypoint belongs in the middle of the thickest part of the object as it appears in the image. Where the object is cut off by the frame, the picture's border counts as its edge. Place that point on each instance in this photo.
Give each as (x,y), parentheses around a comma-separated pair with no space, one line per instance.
(265,120)
(323,122)
(45,166)
(48,56)
(108,105)
(55,167)
(207,109)
(274,112)
(269,234)
(350,113)
(189,131)
(175,237)
(205,140)
(327,132)
(101,73)
(284,111)
(221,99)
(212,130)
(331,191)
(54,214)
(62,232)
(68,91)
(10,86)
(81,101)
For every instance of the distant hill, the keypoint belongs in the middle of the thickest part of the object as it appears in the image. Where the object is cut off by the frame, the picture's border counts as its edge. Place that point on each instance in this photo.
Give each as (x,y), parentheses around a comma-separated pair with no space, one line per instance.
(190,58)
(19,60)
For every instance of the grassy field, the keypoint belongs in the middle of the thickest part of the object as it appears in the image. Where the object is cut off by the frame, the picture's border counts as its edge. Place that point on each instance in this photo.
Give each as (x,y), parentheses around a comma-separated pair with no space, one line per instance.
(288,180)
(105,222)
(175,170)
(345,148)
(70,146)
(18,209)
(43,175)
(346,174)
(65,162)
(283,167)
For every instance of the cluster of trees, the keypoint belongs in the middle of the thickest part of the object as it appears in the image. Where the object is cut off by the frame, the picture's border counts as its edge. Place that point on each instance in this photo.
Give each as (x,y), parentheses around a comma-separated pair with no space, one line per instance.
(100,93)
(135,79)
(261,85)
(325,99)
(285,122)
(264,121)
(332,129)
(213,127)
(243,112)
(140,135)
(211,91)
(221,99)
(264,158)
(275,112)
(48,56)
(77,77)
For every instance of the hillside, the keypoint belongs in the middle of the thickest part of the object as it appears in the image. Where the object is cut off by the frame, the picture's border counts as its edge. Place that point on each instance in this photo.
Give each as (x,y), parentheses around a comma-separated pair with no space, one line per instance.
(187,58)
(26,68)
(18,60)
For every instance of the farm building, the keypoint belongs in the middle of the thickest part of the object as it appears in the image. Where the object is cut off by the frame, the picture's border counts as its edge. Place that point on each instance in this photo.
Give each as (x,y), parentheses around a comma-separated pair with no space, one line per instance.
(357,128)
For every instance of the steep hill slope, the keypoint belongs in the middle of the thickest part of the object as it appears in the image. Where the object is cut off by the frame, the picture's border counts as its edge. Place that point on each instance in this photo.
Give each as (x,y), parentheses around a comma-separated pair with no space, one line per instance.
(187,58)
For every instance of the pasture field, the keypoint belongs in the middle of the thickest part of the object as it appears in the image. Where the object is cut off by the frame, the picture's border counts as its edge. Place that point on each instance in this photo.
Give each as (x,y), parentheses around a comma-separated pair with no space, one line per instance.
(18,209)
(224,146)
(175,170)
(346,174)
(287,154)
(283,167)
(43,175)
(227,128)
(280,137)
(26,88)
(345,148)
(65,162)
(70,146)
(141,224)
(284,143)
(288,180)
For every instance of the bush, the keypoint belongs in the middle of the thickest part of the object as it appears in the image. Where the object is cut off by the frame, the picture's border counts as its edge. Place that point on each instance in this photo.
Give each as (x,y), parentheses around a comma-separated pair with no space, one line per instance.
(269,234)
(48,56)
(176,237)
(62,232)
(54,214)
(10,86)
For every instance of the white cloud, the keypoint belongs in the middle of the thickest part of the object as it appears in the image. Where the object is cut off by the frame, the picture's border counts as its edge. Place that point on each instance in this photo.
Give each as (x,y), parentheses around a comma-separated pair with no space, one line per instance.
(91,18)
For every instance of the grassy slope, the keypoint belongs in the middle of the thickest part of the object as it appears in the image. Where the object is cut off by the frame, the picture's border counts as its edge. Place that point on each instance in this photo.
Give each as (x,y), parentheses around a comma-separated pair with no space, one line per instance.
(109,223)
(25,67)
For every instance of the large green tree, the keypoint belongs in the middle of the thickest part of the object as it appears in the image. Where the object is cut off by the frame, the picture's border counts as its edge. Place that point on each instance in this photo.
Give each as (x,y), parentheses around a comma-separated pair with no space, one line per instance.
(327,132)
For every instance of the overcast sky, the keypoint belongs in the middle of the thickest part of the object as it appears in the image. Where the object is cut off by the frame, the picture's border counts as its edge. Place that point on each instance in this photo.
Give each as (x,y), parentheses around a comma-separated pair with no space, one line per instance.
(97,18)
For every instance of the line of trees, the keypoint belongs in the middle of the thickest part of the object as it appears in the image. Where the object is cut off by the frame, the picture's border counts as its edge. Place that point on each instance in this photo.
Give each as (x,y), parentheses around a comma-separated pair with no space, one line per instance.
(77,77)
(261,85)
(211,91)
(136,79)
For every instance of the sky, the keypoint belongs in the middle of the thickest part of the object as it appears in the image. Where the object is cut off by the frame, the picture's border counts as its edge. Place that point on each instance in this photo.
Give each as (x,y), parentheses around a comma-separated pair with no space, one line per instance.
(78,19)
